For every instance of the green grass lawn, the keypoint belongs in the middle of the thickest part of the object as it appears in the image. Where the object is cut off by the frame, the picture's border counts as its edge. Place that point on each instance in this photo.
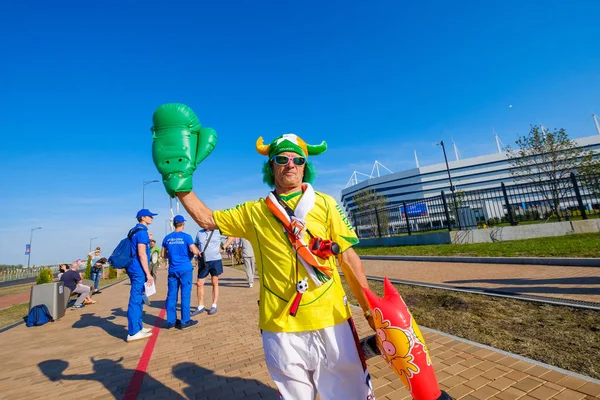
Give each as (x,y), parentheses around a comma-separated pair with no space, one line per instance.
(576,245)
(13,314)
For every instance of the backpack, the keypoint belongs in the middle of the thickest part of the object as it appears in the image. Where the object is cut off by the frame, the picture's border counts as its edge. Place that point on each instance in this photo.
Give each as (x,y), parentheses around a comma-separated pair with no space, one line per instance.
(122,256)
(38,315)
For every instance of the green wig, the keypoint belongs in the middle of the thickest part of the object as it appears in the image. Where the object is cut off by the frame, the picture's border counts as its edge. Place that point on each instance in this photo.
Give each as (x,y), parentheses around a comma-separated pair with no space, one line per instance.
(292,143)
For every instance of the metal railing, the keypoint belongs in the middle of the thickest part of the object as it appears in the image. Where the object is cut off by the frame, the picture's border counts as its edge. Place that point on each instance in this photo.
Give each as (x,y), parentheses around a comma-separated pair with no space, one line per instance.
(15,272)
(575,197)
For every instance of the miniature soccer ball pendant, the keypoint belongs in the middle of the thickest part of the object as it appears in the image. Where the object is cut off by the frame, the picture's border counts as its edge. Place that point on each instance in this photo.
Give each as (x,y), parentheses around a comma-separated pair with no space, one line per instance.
(301,287)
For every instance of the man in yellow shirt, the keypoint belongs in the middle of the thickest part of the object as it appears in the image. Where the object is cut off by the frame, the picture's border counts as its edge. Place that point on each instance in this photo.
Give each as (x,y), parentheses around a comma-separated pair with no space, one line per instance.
(309,339)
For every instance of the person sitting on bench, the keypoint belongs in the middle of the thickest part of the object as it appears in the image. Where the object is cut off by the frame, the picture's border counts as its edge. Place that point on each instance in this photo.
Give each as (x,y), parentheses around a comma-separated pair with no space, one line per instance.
(72,279)
(63,268)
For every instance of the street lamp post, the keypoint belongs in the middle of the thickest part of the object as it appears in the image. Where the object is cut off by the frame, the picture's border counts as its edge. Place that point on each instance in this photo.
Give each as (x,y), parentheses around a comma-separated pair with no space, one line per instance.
(143,191)
(30,246)
(91,243)
(441,143)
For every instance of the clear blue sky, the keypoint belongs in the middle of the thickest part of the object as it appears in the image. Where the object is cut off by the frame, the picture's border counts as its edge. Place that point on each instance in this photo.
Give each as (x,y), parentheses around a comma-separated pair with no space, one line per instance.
(79,82)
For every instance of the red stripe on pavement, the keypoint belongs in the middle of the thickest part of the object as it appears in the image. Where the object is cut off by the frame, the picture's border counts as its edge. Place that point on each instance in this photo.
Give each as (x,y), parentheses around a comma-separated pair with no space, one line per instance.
(138,376)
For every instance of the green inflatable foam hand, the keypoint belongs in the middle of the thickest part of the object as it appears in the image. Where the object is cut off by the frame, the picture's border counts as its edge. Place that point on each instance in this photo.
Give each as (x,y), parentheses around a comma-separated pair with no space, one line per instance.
(180,143)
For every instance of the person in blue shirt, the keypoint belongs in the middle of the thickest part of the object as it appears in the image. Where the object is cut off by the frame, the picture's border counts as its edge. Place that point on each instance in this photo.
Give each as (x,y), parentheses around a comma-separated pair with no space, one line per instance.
(139,276)
(209,244)
(179,248)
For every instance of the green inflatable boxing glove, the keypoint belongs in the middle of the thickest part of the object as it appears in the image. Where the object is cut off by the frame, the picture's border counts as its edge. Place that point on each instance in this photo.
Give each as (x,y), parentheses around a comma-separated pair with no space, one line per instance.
(180,143)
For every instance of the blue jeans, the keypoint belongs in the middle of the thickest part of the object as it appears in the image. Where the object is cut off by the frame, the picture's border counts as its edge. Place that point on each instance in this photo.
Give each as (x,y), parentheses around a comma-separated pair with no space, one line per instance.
(137,277)
(179,280)
(95,276)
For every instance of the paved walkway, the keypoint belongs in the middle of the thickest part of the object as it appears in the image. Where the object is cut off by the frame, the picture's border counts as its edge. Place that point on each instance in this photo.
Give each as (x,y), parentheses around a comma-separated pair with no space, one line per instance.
(84,356)
(575,283)
(12,299)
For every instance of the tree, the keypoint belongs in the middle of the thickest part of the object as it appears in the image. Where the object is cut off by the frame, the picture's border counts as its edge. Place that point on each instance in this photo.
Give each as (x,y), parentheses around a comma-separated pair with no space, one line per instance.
(546,159)
(456,202)
(370,211)
(589,174)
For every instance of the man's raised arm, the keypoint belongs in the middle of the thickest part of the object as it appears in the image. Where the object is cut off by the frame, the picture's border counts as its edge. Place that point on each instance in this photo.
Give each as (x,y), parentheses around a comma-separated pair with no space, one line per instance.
(197,210)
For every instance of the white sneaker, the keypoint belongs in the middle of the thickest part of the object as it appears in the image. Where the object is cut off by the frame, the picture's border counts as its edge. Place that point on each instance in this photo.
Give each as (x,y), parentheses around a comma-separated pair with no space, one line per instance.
(140,335)
(250,284)
(146,330)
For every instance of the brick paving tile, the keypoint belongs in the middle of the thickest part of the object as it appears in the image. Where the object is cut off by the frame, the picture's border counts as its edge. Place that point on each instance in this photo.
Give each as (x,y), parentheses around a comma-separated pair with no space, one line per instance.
(537,371)
(554,386)
(511,394)
(484,393)
(477,382)
(85,353)
(455,369)
(471,362)
(516,376)
(501,383)
(522,366)
(569,394)
(591,389)
(495,357)
(571,382)
(486,365)
(543,392)
(460,391)
(493,373)
(527,384)
(470,373)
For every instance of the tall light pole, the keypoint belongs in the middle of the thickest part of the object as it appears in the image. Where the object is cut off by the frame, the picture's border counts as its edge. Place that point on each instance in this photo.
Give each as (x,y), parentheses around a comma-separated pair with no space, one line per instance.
(30,240)
(441,143)
(143,190)
(91,243)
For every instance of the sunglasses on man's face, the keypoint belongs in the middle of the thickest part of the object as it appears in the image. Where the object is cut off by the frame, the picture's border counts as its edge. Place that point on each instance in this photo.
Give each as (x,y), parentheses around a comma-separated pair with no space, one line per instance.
(284,160)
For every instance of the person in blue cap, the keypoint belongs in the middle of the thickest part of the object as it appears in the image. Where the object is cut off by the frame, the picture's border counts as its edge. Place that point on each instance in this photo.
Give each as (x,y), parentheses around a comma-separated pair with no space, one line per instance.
(139,274)
(179,248)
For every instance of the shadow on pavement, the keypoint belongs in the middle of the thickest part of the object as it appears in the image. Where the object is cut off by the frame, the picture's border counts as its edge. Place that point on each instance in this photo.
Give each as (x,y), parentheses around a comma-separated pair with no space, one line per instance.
(111,374)
(525,285)
(114,330)
(147,318)
(203,382)
(233,282)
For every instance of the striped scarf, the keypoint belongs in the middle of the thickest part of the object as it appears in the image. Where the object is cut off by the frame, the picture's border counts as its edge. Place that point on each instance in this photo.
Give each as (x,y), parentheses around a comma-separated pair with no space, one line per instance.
(295,227)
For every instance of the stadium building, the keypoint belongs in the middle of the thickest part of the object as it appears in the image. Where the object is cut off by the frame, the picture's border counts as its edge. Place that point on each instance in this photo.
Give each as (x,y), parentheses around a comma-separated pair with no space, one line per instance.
(469,174)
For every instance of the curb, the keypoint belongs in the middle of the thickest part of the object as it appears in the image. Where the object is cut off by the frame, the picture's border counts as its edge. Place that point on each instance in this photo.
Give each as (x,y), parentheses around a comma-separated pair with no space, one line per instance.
(559,261)
(22,321)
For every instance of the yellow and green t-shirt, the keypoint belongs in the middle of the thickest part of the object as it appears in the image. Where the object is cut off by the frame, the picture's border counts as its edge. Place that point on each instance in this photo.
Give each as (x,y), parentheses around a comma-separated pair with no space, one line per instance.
(276,261)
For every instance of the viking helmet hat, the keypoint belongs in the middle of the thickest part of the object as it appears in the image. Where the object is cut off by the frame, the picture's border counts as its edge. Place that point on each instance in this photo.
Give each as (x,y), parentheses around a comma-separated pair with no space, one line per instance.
(292,143)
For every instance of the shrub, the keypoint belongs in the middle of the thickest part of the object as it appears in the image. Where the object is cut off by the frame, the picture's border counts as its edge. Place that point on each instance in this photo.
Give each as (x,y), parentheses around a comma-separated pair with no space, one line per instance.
(44,276)
(112,272)
(87,274)
(493,221)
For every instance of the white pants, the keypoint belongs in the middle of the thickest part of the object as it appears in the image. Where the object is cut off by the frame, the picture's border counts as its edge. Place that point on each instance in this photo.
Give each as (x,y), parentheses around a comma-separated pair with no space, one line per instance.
(250,266)
(325,361)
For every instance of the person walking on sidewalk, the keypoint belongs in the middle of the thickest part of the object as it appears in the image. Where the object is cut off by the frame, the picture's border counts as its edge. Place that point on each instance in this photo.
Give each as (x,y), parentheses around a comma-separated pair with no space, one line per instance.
(179,248)
(309,339)
(209,243)
(155,255)
(249,260)
(139,276)
(96,270)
